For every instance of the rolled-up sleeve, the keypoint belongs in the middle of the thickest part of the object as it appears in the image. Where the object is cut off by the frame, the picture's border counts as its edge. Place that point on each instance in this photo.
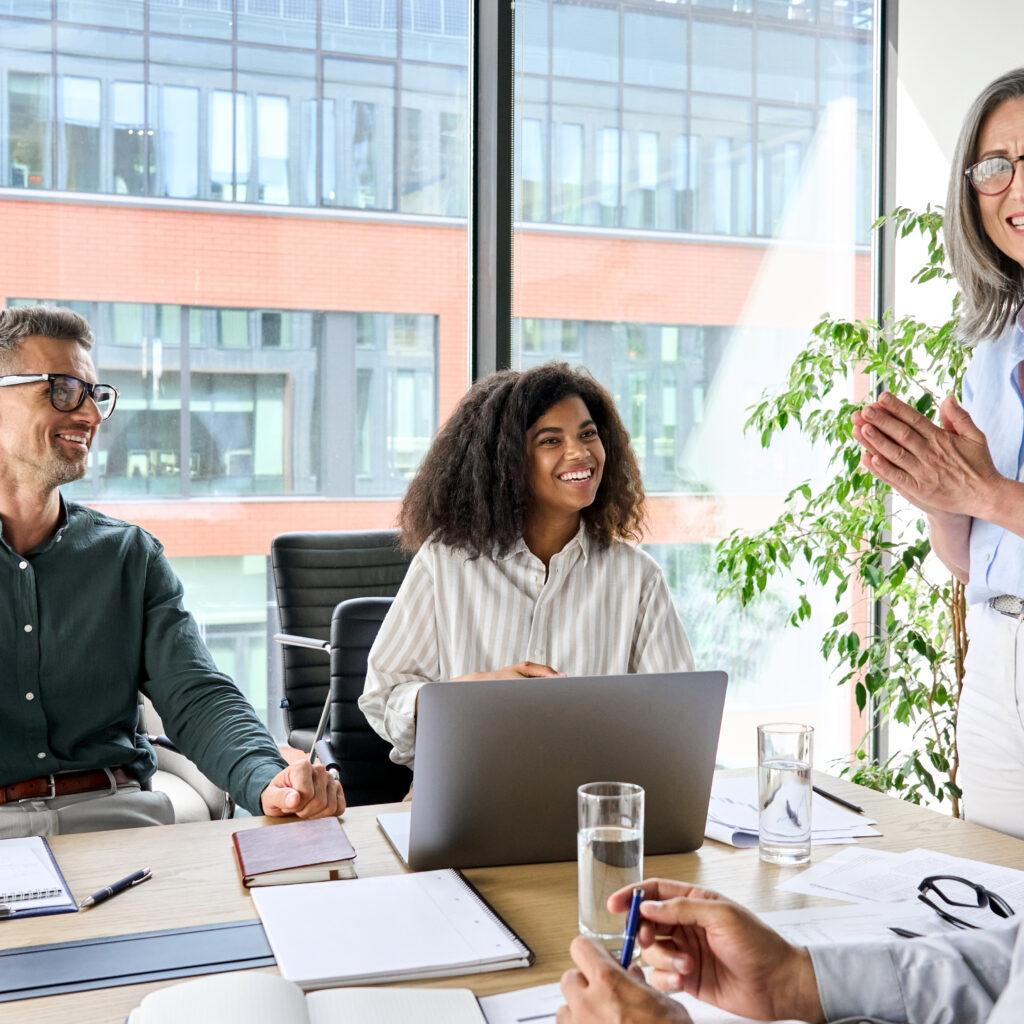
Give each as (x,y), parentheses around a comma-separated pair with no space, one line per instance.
(403,657)
(660,643)
(953,979)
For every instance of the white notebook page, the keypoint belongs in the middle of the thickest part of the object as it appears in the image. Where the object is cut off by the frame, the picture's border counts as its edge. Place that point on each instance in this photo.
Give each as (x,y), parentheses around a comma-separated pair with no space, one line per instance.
(398,926)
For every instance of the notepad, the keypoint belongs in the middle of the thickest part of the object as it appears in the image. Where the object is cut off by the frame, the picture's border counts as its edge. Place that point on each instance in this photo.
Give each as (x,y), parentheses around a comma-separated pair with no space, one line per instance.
(316,850)
(433,924)
(268,999)
(30,881)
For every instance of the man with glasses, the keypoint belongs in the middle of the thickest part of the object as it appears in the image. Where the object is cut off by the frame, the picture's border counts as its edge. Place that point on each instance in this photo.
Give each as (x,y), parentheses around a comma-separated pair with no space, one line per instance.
(703,944)
(92,615)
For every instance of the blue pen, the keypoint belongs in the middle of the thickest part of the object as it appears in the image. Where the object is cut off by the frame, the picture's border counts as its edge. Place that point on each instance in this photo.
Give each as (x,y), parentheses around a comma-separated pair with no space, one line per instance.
(632,927)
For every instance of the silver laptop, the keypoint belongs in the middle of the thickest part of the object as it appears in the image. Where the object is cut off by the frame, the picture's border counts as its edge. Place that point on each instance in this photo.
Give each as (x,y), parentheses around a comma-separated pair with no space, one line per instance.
(498,763)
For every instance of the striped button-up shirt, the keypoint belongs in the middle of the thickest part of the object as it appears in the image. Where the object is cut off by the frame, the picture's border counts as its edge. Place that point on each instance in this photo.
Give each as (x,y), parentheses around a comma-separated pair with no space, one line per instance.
(594,612)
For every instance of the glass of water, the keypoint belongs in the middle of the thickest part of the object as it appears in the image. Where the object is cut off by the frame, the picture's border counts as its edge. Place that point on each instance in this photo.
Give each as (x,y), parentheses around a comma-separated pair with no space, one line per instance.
(784,761)
(610,854)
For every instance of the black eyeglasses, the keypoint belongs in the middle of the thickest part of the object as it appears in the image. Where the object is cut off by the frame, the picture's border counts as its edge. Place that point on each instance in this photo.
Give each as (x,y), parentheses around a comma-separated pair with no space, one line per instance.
(955,891)
(993,175)
(67,393)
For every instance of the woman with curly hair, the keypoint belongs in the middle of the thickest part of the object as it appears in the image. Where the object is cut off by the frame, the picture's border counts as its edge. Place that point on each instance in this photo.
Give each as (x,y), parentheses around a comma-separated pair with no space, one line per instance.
(520,516)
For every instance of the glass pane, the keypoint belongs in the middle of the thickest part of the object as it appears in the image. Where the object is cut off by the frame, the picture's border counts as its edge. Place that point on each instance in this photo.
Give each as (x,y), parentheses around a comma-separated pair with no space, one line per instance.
(278,371)
(786,66)
(722,58)
(283,24)
(358,133)
(25,66)
(692,299)
(184,79)
(114,13)
(433,141)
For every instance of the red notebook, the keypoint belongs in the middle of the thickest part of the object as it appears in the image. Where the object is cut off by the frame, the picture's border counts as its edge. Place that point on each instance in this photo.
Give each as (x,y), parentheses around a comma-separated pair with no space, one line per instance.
(299,851)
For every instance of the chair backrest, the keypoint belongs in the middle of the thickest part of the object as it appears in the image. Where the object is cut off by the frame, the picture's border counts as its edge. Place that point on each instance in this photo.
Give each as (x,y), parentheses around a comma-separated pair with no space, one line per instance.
(313,572)
(368,773)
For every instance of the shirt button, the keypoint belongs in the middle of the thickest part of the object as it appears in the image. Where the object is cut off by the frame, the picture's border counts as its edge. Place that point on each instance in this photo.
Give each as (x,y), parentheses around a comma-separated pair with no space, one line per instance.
(23,565)
(41,755)
(28,628)
(59,536)
(988,556)
(30,696)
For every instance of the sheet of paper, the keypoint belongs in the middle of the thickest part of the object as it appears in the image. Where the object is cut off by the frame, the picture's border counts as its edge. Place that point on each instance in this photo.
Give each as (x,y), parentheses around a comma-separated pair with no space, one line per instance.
(858,922)
(395,826)
(336,933)
(732,816)
(29,880)
(539,1005)
(823,878)
(875,877)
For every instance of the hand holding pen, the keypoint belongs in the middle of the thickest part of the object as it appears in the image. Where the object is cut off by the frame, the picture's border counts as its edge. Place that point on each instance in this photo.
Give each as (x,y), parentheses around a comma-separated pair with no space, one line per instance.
(632,927)
(117,887)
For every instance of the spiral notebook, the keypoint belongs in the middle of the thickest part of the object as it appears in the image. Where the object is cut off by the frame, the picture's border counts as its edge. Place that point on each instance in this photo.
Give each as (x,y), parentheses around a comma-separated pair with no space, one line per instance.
(30,881)
(433,924)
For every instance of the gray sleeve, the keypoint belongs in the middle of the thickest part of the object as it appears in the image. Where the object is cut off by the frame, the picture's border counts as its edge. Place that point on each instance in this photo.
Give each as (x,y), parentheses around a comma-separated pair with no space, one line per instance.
(949,979)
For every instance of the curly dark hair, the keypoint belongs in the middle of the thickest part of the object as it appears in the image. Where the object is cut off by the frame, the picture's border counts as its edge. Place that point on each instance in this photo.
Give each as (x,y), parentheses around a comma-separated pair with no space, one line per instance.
(471,490)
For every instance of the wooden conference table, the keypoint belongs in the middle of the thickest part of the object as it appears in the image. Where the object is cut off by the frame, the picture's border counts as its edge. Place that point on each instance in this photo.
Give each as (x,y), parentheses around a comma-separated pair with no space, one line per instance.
(195,881)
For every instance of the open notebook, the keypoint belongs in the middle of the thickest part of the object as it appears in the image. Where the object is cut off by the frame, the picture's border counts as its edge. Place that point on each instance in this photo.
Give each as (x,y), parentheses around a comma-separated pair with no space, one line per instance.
(30,881)
(267,999)
(433,924)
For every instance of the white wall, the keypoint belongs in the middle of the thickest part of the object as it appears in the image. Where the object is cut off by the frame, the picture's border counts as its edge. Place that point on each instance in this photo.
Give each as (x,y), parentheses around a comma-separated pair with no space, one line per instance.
(949,50)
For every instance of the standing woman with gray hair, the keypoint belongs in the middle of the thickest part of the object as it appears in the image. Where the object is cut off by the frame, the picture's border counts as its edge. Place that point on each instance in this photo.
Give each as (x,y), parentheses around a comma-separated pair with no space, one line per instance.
(966,474)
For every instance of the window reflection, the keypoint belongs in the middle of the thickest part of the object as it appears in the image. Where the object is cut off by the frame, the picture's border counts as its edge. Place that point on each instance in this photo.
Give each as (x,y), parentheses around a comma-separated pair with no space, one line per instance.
(659,375)
(262,402)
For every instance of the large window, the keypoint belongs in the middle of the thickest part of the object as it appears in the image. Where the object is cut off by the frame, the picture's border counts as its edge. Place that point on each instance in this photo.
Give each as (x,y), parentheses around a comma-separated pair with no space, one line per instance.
(262,208)
(704,172)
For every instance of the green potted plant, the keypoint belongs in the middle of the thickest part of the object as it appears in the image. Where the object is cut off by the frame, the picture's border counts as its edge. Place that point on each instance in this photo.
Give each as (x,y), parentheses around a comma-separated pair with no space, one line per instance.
(908,665)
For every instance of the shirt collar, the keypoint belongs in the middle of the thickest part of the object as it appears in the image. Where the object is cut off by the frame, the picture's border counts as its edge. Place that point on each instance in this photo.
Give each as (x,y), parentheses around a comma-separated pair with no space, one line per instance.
(63,518)
(581,540)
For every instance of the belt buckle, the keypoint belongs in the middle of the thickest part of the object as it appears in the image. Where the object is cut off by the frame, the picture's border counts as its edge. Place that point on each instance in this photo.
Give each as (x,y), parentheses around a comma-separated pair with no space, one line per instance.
(49,796)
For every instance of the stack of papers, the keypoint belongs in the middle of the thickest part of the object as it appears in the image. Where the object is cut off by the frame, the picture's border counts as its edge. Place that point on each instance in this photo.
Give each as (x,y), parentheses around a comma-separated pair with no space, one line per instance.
(732,816)
(876,876)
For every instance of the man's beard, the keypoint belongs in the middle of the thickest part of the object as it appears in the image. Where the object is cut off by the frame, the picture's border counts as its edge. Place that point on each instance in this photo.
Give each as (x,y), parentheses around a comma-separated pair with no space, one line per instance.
(64,469)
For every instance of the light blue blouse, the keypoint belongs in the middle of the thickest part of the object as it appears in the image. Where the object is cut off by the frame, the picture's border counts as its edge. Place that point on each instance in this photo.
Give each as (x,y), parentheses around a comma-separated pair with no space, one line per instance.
(992,396)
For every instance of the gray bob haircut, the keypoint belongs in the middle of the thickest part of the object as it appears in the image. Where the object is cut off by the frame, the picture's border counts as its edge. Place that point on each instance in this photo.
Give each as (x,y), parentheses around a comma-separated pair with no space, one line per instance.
(21,322)
(992,284)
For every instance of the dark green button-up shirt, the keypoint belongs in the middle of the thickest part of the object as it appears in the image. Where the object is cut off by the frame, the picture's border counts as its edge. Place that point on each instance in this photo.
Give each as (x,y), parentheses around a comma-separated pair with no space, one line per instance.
(90,617)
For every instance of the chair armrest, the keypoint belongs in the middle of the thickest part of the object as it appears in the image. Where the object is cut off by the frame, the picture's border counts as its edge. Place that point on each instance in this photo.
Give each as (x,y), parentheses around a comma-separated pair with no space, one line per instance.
(326,756)
(289,640)
(162,741)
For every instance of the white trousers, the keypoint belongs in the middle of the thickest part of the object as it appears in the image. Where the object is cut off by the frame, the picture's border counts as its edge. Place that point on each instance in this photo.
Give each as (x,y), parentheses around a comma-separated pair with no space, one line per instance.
(990,726)
(128,807)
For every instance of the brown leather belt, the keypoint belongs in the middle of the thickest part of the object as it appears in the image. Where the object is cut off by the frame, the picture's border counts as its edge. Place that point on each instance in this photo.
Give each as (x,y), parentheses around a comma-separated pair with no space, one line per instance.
(63,784)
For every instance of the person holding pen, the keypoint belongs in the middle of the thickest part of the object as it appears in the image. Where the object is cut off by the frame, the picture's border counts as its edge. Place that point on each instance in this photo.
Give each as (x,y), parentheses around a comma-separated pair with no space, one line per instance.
(521,516)
(703,944)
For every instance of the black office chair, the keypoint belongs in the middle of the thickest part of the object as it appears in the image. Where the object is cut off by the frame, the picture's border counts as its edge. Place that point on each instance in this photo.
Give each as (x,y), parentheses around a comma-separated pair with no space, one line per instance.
(313,573)
(360,755)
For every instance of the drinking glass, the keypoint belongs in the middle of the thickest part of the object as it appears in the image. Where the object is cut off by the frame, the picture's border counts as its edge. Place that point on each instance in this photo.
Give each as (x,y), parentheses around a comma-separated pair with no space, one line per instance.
(784,761)
(610,854)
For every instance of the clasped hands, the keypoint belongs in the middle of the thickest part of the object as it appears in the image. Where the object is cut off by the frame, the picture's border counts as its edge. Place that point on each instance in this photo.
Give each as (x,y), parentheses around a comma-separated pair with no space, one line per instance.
(697,942)
(305,790)
(943,469)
